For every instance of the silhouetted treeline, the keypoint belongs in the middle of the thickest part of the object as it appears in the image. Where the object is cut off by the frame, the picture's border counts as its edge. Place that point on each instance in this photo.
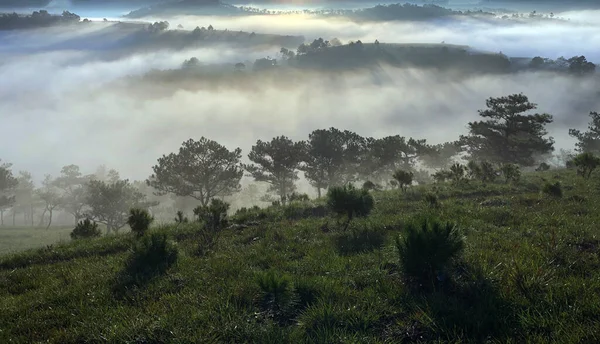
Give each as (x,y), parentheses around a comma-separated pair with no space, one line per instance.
(37,19)
(333,55)
(508,136)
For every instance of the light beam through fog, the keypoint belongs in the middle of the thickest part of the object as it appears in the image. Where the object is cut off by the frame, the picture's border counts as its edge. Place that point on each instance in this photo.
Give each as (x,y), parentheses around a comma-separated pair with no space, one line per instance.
(580,35)
(63,100)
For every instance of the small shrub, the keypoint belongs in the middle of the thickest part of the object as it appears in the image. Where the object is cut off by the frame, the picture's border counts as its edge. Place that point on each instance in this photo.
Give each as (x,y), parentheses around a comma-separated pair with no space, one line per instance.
(359,241)
(276,292)
(543,167)
(457,172)
(511,172)
(181,218)
(349,201)
(214,215)
(473,170)
(488,172)
(85,229)
(245,215)
(139,220)
(432,200)
(554,190)
(369,185)
(586,163)
(296,197)
(294,211)
(442,176)
(306,291)
(153,254)
(427,250)
(404,178)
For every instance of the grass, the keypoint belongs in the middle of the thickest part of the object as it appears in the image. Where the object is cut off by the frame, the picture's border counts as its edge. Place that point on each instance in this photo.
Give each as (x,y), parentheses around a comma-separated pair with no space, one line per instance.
(14,239)
(530,272)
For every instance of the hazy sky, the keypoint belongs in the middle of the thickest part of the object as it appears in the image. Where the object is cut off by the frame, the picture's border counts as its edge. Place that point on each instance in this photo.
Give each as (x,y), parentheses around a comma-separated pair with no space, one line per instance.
(60,106)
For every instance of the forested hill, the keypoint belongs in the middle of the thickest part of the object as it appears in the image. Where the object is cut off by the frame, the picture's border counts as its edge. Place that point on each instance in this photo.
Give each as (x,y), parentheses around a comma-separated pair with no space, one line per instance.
(37,19)
(188,7)
(58,3)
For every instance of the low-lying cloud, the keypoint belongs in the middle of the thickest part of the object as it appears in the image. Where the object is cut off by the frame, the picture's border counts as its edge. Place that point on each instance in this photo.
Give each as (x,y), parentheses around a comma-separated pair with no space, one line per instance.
(580,35)
(67,106)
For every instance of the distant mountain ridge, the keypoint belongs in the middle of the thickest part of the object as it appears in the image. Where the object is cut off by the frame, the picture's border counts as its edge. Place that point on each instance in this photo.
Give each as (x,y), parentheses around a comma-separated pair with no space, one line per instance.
(45,3)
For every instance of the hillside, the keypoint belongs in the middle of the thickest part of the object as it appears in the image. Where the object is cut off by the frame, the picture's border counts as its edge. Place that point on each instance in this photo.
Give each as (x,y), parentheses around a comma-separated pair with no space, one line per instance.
(187,7)
(529,273)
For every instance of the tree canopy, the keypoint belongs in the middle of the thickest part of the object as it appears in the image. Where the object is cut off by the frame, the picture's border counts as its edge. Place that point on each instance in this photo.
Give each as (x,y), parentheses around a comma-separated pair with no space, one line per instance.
(7,185)
(589,141)
(72,184)
(109,202)
(332,157)
(201,169)
(277,163)
(509,134)
(388,154)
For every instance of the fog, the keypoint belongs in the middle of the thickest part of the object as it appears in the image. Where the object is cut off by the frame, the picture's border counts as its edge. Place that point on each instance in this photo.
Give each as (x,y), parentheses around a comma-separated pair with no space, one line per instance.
(579,35)
(64,99)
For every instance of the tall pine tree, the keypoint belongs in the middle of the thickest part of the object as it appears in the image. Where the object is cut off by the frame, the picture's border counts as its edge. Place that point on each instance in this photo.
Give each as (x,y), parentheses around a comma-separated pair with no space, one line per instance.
(509,135)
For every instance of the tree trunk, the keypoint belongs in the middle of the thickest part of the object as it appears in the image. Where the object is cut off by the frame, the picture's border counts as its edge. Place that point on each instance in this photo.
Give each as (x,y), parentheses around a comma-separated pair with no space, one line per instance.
(32,215)
(2,217)
(14,214)
(319,192)
(49,220)
(42,218)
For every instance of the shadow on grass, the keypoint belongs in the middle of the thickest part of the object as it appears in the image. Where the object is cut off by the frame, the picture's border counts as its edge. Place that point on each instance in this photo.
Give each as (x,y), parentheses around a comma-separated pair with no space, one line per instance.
(359,241)
(151,257)
(466,308)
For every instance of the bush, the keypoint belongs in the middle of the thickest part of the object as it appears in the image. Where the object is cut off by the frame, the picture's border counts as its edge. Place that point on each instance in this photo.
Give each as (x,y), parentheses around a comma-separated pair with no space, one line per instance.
(349,201)
(294,211)
(432,200)
(511,172)
(473,170)
(85,229)
(181,218)
(404,178)
(245,215)
(442,176)
(359,241)
(427,250)
(488,172)
(543,167)
(554,190)
(457,172)
(153,254)
(214,215)
(296,197)
(276,292)
(369,185)
(139,220)
(586,163)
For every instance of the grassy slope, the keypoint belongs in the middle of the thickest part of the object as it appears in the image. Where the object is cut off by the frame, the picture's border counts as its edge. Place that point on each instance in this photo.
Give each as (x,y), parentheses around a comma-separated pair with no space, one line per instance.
(13,239)
(530,273)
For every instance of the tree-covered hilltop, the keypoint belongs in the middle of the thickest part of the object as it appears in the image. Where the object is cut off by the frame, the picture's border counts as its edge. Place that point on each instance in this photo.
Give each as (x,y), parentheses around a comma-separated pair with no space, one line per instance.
(188,7)
(37,19)
(331,56)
